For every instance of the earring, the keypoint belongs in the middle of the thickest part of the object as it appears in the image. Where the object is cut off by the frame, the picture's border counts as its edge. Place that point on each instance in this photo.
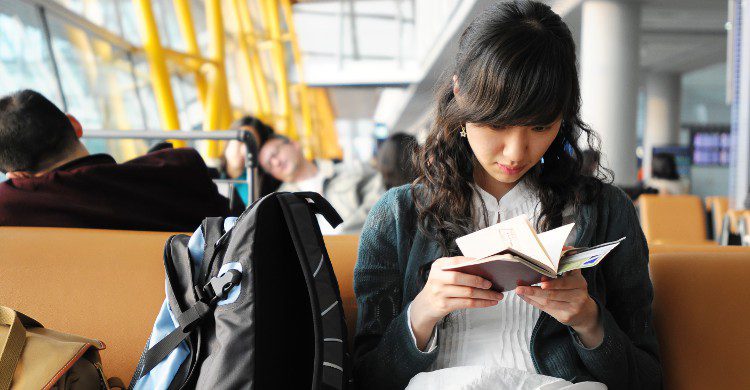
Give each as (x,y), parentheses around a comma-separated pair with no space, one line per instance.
(463,131)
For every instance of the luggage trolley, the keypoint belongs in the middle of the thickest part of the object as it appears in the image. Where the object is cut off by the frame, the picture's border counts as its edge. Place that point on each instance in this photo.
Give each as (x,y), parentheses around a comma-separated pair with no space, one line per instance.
(246,137)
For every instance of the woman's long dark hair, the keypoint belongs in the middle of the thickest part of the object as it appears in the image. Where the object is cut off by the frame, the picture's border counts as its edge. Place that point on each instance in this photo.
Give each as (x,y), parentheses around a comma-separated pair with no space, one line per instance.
(516,65)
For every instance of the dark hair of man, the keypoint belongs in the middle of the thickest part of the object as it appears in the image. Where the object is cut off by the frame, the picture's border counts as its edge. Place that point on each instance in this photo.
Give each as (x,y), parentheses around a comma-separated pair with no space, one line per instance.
(394,160)
(264,131)
(281,137)
(664,166)
(516,65)
(33,132)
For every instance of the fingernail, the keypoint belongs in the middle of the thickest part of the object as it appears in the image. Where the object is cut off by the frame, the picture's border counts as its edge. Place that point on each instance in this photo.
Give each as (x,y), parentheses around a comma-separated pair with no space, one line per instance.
(499,296)
(487,284)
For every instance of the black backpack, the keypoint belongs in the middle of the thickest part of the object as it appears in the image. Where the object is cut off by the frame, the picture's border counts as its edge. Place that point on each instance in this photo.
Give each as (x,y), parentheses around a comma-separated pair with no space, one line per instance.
(284,329)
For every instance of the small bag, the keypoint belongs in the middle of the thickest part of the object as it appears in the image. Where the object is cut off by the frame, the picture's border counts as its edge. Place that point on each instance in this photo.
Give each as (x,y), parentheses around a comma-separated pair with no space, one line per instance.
(33,357)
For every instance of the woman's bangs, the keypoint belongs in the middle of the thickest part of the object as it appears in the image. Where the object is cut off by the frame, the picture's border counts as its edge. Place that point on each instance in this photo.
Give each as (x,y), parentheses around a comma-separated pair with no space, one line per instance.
(529,88)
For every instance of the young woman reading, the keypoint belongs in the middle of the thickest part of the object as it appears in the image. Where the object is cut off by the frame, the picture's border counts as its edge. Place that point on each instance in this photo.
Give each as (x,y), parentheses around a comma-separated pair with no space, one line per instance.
(505,141)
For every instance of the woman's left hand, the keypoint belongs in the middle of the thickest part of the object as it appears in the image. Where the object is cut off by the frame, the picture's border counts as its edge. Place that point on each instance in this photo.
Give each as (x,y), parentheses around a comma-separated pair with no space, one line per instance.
(567,300)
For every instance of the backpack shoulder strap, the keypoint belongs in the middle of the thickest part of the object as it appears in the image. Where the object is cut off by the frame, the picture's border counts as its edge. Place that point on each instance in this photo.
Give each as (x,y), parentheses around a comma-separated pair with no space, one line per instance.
(329,327)
(179,273)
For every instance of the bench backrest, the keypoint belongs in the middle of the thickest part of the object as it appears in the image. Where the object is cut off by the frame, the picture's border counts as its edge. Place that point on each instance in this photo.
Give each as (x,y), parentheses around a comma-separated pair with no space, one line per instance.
(701,316)
(673,219)
(108,284)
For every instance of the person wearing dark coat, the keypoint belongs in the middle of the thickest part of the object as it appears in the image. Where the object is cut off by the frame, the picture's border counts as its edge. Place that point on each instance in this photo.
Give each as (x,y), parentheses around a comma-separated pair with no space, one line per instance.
(53,181)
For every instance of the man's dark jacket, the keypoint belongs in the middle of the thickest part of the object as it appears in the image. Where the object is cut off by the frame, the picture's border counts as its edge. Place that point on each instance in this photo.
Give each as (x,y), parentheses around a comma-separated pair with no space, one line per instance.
(166,190)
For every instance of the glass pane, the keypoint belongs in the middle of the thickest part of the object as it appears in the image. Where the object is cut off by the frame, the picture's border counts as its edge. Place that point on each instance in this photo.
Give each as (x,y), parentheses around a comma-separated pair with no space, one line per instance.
(166,21)
(24,58)
(79,74)
(118,16)
(116,89)
(97,79)
(130,31)
(146,92)
(189,108)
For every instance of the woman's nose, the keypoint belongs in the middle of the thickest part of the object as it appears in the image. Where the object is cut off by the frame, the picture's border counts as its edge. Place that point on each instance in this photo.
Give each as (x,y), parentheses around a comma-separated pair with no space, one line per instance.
(516,145)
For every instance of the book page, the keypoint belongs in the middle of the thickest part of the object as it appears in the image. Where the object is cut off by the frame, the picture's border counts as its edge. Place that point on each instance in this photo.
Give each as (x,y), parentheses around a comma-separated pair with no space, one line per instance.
(515,233)
(483,243)
(554,241)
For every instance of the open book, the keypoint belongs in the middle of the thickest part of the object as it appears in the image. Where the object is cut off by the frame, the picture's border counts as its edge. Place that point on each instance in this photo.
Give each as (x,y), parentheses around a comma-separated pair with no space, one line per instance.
(511,253)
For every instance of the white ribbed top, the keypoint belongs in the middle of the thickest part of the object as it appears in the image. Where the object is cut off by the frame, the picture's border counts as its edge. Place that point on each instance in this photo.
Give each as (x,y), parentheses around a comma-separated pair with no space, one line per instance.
(499,335)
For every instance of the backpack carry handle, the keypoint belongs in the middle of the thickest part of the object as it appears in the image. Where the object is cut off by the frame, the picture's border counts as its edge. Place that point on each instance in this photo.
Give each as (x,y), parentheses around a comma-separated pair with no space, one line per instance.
(320,205)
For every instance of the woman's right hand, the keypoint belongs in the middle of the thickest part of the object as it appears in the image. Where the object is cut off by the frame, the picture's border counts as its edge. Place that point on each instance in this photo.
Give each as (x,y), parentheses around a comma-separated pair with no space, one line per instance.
(446,291)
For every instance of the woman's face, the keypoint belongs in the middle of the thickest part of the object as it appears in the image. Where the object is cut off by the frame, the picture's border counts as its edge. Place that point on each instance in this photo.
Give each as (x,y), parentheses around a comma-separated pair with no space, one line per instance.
(507,153)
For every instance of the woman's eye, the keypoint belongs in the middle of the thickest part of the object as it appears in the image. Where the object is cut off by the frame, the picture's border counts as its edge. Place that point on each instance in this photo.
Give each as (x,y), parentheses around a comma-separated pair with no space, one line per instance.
(540,128)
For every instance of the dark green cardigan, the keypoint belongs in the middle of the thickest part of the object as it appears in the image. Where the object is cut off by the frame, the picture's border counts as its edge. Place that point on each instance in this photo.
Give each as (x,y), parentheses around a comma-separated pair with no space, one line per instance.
(386,280)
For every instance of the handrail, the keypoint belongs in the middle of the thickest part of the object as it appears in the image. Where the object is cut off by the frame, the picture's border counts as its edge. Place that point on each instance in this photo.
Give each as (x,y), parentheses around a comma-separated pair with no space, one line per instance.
(218,135)
(246,137)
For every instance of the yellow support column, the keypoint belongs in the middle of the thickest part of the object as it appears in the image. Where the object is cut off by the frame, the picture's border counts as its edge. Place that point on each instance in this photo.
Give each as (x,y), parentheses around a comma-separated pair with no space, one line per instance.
(219,110)
(273,24)
(158,67)
(185,21)
(248,46)
(304,96)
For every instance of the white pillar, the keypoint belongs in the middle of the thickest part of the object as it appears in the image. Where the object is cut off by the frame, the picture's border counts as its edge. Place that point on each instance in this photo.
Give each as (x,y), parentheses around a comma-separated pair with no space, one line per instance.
(739,173)
(662,125)
(610,33)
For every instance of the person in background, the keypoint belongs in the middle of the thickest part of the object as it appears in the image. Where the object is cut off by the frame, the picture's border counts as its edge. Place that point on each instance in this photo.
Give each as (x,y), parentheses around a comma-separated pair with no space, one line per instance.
(351,188)
(234,157)
(504,142)
(53,180)
(394,160)
(664,176)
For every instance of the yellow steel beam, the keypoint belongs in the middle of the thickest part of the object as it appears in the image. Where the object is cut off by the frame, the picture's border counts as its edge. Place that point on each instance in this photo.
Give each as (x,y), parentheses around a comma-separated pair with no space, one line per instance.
(185,21)
(246,54)
(304,97)
(187,62)
(273,24)
(261,100)
(257,66)
(158,67)
(218,107)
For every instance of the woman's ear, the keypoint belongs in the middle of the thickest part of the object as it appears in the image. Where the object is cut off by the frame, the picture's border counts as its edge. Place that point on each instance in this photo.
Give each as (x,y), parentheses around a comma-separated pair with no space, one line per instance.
(455,85)
(76,125)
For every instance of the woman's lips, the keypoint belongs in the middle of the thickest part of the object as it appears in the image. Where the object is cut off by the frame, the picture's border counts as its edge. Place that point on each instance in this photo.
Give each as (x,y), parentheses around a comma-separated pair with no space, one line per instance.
(508,170)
